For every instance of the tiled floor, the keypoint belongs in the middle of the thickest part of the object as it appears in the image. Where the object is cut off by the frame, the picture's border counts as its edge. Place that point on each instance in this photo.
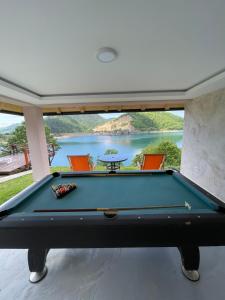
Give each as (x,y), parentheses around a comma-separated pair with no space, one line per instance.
(10,163)
(113,274)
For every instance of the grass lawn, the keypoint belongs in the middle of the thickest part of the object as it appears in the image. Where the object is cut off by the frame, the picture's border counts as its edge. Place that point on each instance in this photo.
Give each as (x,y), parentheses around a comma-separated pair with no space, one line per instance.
(14,186)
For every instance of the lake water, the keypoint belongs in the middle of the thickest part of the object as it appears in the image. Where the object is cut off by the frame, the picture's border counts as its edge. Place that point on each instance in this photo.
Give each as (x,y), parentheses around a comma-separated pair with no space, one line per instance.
(96,145)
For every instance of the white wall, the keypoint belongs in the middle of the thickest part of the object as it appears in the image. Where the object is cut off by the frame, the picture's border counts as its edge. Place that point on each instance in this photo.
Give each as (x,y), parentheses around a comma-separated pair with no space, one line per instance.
(203,157)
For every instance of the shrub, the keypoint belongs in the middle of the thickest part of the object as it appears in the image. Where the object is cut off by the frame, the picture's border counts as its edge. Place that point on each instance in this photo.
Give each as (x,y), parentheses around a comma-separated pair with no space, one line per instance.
(107,152)
(111,151)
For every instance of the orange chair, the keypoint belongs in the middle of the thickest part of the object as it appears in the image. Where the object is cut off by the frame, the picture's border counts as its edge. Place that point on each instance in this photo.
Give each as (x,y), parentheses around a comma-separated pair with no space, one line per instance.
(153,161)
(80,162)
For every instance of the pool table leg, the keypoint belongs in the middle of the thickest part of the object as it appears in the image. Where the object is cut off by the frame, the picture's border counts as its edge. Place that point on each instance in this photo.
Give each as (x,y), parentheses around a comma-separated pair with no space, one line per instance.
(36,262)
(190,257)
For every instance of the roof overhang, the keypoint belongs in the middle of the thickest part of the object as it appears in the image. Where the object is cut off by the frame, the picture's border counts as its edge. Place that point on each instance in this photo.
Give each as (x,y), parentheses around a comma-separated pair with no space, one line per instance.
(168,53)
(88,108)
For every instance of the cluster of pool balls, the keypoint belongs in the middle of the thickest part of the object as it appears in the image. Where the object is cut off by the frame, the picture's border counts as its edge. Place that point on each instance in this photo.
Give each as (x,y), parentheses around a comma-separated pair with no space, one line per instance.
(62,189)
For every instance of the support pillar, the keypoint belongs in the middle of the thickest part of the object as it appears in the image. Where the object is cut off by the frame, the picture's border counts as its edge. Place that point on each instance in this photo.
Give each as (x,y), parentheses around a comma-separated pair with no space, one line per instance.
(36,141)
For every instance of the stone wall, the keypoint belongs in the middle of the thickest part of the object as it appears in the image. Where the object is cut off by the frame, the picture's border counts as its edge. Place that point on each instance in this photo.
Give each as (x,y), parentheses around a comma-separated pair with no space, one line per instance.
(203,157)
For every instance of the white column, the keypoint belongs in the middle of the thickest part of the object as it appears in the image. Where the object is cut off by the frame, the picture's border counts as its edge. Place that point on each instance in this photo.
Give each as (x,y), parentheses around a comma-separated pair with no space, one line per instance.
(36,141)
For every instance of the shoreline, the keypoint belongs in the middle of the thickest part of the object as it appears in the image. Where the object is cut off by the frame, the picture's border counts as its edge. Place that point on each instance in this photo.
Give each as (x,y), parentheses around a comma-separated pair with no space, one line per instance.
(69,135)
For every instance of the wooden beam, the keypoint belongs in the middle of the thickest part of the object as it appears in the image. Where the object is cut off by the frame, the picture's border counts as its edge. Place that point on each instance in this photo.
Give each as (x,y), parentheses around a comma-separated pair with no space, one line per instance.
(115,107)
(98,107)
(11,108)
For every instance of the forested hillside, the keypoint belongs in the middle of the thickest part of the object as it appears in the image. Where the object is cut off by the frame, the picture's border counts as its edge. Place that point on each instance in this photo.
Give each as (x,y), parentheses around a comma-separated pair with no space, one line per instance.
(126,123)
(156,121)
(9,128)
(143,121)
(73,124)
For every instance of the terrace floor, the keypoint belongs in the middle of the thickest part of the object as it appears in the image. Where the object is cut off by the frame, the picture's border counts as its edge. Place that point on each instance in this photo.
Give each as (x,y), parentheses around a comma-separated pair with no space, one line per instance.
(11,163)
(113,274)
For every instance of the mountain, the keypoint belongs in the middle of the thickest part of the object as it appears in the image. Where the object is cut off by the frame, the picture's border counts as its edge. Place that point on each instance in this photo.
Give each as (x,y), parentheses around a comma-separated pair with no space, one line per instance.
(157,121)
(73,124)
(120,124)
(88,122)
(144,121)
(126,123)
(9,129)
(65,124)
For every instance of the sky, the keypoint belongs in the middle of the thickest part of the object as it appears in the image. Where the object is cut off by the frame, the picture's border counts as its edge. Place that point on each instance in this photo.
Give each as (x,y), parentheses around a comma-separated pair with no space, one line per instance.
(6,119)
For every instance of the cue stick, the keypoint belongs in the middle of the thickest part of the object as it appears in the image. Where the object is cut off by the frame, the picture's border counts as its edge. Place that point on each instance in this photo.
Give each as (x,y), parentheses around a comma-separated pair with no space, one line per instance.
(102,209)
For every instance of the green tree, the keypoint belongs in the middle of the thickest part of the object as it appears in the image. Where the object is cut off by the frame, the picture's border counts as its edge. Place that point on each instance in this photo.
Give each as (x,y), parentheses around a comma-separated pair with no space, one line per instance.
(111,151)
(19,137)
(107,152)
(172,152)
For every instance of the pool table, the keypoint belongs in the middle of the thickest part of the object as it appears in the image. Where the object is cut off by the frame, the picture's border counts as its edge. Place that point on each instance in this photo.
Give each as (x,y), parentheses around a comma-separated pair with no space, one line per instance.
(120,209)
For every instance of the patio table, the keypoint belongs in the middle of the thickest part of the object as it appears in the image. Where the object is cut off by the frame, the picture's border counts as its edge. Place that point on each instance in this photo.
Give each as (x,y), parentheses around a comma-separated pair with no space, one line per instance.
(112,161)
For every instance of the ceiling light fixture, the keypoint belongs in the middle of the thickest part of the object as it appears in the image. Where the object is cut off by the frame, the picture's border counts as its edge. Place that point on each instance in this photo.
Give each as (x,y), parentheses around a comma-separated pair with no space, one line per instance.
(106,55)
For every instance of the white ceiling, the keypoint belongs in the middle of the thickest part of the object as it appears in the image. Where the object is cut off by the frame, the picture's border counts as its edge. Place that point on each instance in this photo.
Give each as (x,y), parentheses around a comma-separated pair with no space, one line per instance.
(168,49)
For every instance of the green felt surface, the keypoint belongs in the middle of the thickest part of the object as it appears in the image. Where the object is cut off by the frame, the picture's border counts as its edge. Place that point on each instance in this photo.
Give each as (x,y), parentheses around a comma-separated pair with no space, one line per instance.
(120,191)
